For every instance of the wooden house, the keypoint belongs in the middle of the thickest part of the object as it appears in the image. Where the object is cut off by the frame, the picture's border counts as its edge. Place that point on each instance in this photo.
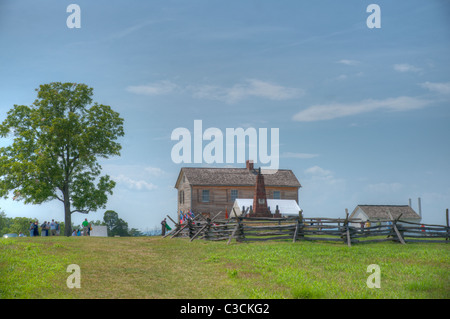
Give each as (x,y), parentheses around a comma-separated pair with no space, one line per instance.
(213,190)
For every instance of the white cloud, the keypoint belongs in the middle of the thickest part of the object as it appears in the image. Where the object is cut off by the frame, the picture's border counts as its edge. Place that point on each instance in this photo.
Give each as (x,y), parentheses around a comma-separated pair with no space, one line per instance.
(442,88)
(134,177)
(349,62)
(384,187)
(317,171)
(320,179)
(249,88)
(298,155)
(404,67)
(125,32)
(155,171)
(139,185)
(336,110)
(240,91)
(158,88)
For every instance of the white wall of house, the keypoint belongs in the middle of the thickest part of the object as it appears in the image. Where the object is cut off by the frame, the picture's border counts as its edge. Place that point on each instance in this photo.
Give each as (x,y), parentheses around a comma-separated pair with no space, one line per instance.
(359,214)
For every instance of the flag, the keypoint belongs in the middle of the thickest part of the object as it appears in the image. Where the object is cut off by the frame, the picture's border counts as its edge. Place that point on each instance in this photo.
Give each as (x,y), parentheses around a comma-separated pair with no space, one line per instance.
(181,217)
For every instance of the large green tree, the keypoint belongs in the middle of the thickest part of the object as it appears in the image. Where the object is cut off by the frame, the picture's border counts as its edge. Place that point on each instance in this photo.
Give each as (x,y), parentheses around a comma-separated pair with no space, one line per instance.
(56,144)
(114,224)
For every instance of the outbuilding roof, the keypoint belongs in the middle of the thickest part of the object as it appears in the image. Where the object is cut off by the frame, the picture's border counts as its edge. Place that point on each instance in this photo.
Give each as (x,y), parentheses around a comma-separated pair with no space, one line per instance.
(381,211)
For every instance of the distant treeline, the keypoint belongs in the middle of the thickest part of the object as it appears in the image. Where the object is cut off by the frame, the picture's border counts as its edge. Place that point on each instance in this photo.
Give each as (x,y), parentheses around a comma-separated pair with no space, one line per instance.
(115,225)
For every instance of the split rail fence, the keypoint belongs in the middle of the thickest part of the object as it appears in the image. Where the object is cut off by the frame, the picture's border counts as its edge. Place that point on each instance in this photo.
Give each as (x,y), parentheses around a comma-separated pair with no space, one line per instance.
(245,229)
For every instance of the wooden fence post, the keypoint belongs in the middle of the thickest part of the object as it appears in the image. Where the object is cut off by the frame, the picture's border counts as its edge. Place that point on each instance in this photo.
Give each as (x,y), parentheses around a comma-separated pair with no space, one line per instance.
(172,220)
(394,226)
(183,227)
(235,230)
(241,234)
(191,228)
(448,229)
(208,224)
(298,227)
(347,230)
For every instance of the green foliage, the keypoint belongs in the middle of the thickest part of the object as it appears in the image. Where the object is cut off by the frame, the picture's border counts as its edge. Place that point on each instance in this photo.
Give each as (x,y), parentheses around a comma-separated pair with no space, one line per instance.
(56,143)
(14,225)
(30,268)
(115,225)
(133,232)
(4,223)
(160,268)
(20,224)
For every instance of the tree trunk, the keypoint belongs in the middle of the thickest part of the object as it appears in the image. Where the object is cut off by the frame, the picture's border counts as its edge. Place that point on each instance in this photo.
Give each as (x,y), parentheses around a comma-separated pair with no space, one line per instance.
(67,213)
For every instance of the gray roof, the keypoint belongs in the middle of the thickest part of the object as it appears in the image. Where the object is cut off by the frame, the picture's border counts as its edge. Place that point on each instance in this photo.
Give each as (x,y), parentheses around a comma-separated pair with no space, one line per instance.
(236,177)
(380,211)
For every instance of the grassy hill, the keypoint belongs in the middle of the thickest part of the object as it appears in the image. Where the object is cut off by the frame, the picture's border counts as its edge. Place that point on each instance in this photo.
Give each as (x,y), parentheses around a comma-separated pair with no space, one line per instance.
(150,267)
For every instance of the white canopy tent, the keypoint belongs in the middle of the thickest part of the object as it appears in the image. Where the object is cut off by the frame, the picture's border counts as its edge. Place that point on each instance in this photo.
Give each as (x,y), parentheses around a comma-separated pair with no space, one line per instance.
(286,207)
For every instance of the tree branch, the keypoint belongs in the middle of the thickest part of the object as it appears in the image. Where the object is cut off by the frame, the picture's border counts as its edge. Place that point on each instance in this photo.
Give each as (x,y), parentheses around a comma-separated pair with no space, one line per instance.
(80,211)
(60,199)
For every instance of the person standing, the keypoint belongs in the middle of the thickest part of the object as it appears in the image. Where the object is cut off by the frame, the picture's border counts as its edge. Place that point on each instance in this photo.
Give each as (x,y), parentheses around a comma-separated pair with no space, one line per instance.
(85,225)
(44,229)
(36,229)
(31,229)
(58,228)
(53,228)
(163,227)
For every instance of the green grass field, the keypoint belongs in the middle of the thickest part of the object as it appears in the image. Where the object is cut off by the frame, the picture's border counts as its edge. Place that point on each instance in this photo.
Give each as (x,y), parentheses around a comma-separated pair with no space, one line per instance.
(150,267)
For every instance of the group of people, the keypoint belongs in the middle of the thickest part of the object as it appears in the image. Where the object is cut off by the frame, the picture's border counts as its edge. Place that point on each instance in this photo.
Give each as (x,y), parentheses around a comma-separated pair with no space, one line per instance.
(87,227)
(47,228)
(53,229)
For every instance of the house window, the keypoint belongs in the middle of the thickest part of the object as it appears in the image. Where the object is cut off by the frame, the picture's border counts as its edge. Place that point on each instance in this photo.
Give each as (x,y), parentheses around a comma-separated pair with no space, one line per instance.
(234,195)
(276,195)
(205,196)
(181,195)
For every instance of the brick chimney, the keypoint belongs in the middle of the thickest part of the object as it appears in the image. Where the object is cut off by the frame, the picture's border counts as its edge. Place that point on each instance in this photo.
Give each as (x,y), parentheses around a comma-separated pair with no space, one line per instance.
(249,165)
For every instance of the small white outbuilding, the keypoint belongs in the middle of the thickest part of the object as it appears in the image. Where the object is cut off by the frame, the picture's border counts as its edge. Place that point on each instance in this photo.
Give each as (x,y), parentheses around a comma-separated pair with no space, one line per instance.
(381,213)
(99,231)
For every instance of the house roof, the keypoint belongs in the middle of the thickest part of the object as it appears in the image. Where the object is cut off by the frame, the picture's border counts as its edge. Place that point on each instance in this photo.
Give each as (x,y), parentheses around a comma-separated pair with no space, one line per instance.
(380,211)
(202,176)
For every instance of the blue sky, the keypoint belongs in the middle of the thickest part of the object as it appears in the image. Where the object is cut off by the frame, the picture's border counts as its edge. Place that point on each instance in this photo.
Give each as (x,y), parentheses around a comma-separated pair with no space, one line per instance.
(363,114)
